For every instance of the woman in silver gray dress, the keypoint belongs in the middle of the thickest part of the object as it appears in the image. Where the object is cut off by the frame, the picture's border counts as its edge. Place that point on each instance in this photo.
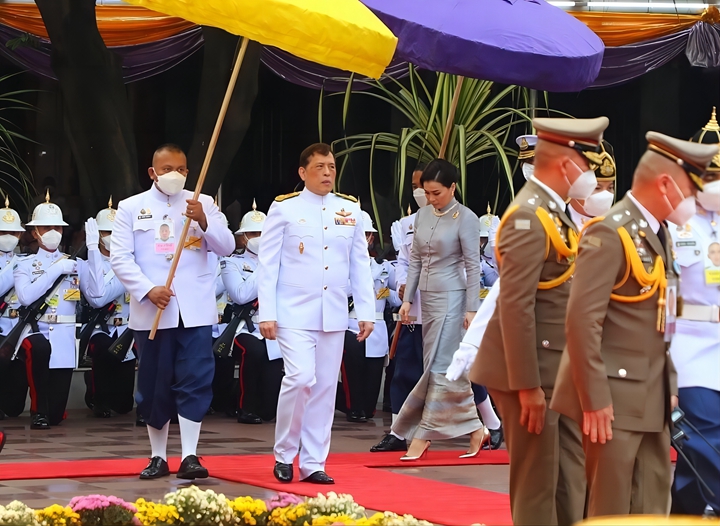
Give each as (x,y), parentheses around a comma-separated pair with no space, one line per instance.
(445,267)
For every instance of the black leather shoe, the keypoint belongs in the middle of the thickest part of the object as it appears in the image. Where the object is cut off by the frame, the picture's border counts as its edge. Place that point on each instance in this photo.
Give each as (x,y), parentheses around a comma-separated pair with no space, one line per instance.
(99,412)
(155,469)
(3,437)
(283,472)
(319,477)
(39,422)
(356,417)
(496,438)
(248,418)
(191,469)
(390,443)
(139,420)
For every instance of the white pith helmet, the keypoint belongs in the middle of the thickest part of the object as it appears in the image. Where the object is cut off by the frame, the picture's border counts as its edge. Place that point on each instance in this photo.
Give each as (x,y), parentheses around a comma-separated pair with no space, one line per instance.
(367,222)
(253,221)
(106,218)
(9,219)
(47,214)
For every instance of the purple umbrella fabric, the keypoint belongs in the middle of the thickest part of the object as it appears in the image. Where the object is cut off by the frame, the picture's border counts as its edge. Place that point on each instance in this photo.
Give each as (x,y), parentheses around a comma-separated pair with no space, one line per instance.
(524,42)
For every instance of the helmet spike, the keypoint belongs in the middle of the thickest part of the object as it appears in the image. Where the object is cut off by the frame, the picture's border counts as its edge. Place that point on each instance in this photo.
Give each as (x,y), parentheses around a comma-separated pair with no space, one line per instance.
(110,202)
(7,201)
(254,205)
(47,195)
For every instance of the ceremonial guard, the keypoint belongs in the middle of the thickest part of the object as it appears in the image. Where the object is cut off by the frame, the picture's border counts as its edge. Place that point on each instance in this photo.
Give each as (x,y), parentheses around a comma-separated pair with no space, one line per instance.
(488,266)
(521,348)
(260,360)
(48,345)
(175,369)
(363,362)
(408,359)
(598,204)
(112,378)
(526,154)
(13,379)
(312,243)
(695,348)
(616,377)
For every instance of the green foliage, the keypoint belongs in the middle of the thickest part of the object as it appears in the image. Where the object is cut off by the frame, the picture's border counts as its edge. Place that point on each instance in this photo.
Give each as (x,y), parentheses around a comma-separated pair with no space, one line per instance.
(481,128)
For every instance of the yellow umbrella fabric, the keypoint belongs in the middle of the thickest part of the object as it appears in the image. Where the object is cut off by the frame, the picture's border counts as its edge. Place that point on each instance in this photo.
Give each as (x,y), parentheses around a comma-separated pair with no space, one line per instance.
(339,33)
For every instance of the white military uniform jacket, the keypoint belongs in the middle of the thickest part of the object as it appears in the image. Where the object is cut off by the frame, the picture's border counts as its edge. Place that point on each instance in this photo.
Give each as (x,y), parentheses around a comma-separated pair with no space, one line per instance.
(383,275)
(311,245)
(100,286)
(141,265)
(239,273)
(221,299)
(403,263)
(695,346)
(34,276)
(7,284)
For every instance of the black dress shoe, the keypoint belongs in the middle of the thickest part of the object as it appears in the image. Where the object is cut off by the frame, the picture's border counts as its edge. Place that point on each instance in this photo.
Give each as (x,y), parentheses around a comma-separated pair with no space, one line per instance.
(248,418)
(390,443)
(283,472)
(356,417)
(139,420)
(496,438)
(99,412)
(3,437)
(191,469)
(319,477)
(39,422)
(155,469)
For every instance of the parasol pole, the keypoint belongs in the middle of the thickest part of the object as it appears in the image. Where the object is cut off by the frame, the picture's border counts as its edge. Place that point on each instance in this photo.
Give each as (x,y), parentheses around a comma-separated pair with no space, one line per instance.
(451,118)
(203,173)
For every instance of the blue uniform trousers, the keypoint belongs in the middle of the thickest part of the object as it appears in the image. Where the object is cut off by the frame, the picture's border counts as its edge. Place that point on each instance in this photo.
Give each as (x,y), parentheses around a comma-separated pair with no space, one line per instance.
(702,409)
(408,365)
(175,374)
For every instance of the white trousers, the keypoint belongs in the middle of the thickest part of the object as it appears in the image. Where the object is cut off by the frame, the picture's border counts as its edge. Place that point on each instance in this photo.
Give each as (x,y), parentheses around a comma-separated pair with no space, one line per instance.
(306,405)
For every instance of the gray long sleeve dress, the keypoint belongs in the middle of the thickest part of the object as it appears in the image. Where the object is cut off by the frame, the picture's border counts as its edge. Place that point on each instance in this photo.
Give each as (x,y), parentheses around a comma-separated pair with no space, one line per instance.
(445,267)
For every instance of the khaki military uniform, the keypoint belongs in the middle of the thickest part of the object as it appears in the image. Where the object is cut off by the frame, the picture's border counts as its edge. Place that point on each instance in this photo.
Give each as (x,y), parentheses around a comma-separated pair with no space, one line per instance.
(616,354)
(521,349)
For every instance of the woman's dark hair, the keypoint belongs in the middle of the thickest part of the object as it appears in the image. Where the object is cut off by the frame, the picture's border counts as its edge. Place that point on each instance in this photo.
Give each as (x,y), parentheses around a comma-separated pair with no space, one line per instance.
(441,171)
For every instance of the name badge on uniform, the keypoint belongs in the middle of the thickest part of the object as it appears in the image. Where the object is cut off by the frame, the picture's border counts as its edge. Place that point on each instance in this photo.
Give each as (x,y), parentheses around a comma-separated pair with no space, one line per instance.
(71,294)
(145,214)
(383,293)
(193,243)
(164,236)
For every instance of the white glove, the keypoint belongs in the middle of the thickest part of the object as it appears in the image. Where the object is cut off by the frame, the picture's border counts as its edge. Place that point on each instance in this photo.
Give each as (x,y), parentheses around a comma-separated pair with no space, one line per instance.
(462,362)
(92,234)
(68,266)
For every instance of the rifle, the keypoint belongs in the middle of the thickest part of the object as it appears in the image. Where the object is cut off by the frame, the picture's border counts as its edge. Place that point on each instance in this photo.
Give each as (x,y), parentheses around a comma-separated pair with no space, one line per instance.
(121,345)
(245,312)
(30,314)
(96,316)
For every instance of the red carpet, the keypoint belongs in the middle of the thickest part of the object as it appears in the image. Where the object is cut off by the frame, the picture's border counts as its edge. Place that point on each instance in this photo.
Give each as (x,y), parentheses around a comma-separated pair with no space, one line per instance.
(354,473)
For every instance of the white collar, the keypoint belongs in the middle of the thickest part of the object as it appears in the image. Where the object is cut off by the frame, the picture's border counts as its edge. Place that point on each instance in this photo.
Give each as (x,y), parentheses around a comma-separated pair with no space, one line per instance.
(313,197)
(578,217)
(552,193)
(651,219)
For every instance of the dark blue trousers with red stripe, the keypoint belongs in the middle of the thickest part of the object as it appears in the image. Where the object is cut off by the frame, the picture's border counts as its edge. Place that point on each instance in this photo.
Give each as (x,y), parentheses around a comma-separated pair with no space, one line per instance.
(175,374)
(49,388)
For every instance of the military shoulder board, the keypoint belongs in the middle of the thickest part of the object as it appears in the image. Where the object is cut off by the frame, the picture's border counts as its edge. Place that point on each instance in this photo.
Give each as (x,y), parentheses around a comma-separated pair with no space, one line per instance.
(348,197)
(283,197)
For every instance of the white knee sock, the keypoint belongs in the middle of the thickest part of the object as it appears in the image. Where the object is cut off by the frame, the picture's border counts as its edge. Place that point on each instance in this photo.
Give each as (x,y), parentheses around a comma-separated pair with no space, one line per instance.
(189,436)
(488,415)
(158,440)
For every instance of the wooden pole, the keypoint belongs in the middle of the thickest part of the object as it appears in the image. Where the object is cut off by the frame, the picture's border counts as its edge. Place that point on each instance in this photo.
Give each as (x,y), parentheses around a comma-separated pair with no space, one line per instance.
(451,118)
(203,173)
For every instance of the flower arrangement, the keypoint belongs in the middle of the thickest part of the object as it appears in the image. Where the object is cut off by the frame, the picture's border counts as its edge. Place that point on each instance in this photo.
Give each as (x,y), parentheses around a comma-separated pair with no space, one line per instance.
(198,507)
(57,515)
(17,514)
(193,506)
(99,510)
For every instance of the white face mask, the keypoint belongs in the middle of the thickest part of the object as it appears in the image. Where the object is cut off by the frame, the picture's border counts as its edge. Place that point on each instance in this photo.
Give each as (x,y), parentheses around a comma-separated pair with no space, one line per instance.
(710,196)
(252,244)
(106,240)
(682,213)
(51,239)
(170,183)
(419,195)
(528,170)
(8,242)
(583,186)
(598,204)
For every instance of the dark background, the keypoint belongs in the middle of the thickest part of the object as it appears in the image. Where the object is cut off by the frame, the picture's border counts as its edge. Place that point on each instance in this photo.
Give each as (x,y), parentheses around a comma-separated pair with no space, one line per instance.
(676,99)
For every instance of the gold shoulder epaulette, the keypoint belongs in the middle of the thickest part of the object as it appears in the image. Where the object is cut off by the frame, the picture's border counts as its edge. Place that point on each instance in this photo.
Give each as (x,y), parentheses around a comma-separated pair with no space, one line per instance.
(348,197)
(283,197)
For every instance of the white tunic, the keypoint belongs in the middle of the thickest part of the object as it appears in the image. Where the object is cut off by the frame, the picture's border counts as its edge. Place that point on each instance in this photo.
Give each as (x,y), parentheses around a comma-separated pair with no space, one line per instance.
(135,259)
(239,274)
(34,276)
(695,346)
(99,285)
(310,246)
(403,263)
(7,284)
